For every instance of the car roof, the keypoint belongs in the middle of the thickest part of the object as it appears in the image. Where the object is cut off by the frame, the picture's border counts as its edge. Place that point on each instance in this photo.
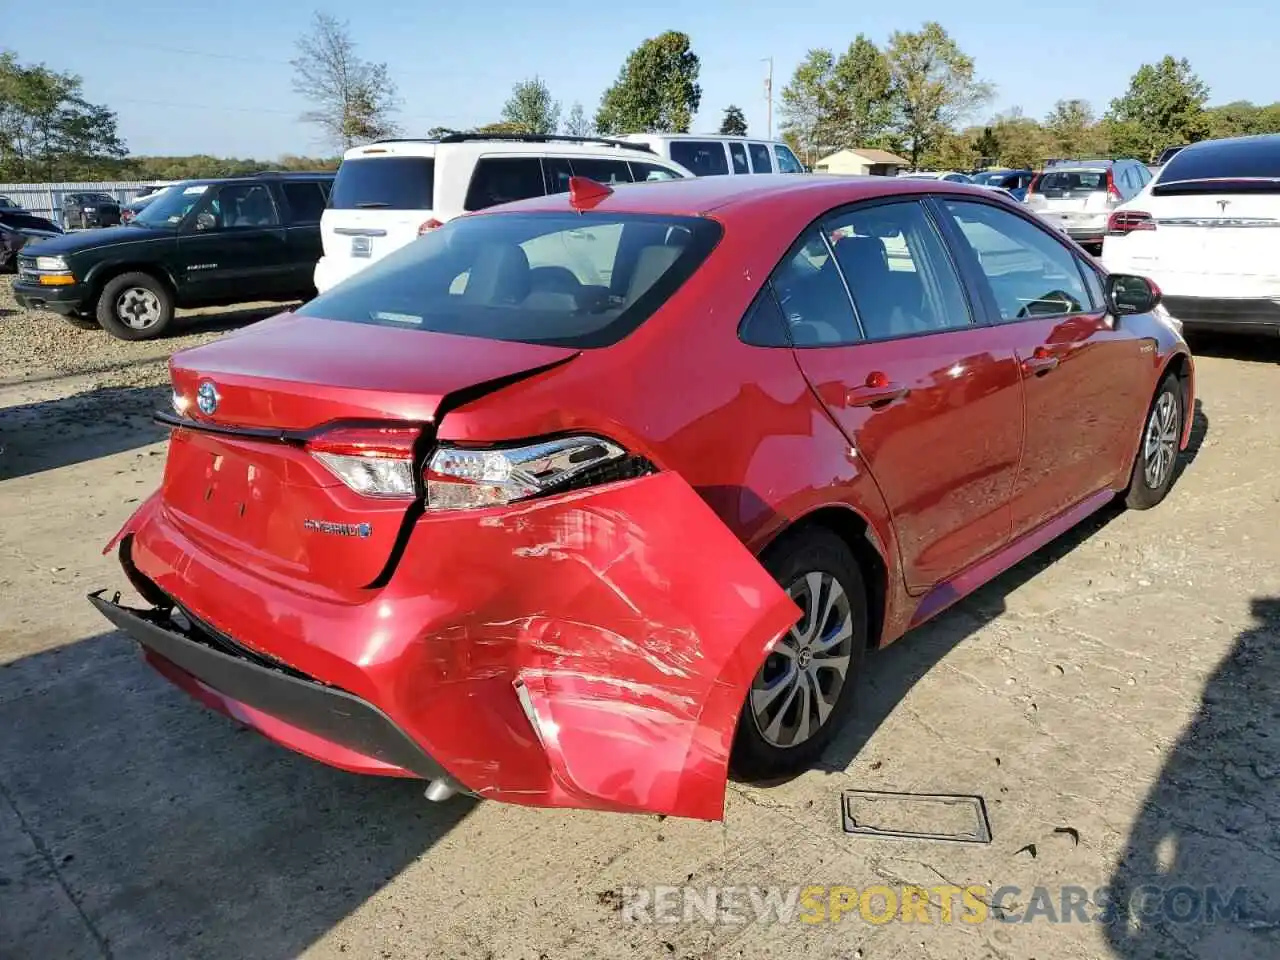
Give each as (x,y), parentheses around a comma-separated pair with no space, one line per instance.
(255,178)
(805,195)
(503,143)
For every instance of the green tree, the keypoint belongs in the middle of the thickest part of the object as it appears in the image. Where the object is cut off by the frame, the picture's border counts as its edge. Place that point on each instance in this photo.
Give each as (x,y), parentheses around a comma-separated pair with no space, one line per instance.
(656,91)
(352,99)
(805,107)
(48,131)
(860,97)
(577,124)
(531,109)
(435,133)
(1163,106)
(934,86)
(1023,143)
(734,123)
(1073,129)
(986,147)
(1238,119)
(501,127)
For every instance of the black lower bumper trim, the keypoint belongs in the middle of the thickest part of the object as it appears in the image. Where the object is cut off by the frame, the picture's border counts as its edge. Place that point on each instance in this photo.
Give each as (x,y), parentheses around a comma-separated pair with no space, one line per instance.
(326,712)
(1225,313)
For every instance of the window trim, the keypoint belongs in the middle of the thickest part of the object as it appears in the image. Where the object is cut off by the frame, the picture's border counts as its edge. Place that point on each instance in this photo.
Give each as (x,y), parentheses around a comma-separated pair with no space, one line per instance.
(973,266)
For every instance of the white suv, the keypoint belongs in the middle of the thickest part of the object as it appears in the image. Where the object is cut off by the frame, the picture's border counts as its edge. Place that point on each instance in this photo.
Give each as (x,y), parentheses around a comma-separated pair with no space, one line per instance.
(388,193)
(719,154)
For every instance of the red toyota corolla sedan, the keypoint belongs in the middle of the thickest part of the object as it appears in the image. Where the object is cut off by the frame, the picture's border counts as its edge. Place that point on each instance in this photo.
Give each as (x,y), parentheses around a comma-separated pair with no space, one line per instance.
(589,500)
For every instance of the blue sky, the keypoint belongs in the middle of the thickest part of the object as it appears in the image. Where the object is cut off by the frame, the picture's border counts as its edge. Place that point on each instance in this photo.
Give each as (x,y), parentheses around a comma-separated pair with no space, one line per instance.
(187,78)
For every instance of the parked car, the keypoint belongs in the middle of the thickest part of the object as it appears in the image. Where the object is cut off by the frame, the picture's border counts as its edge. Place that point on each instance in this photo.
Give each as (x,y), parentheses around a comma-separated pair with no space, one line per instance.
(1167,154)
(136,206)
(1207,231)
(389,193)
(580,501)
(7,203)
(85,210)
(1082,193)
(710,155)
(946,176)
(1013,181)
(201,243)
(17,229)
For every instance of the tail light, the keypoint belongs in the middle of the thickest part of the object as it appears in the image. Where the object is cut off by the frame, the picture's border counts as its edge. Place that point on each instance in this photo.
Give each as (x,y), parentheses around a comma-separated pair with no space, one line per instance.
(461,478)
(1113,192)
(373,461)
(1124,222)
(430,225)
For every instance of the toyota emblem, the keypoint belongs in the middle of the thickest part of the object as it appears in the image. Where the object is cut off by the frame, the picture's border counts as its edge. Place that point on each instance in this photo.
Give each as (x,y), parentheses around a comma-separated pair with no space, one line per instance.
(207,398)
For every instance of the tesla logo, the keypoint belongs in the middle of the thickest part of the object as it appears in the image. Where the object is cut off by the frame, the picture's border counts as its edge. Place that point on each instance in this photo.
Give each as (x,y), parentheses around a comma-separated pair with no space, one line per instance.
(1223,204)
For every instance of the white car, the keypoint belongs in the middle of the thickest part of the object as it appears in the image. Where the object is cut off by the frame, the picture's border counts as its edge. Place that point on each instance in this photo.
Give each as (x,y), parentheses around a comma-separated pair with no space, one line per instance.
(718,154)
(1081,194)
(951,176)
(387,194)
(1207,231)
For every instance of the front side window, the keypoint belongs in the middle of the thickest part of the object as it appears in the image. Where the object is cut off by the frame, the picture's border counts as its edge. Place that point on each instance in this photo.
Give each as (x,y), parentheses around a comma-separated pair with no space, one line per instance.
(898,271)
(705,158)
(738,154)
(504,180)
(813,297)
(567,279)
(1031,274)
(787,162)
(237,206)
(760,162)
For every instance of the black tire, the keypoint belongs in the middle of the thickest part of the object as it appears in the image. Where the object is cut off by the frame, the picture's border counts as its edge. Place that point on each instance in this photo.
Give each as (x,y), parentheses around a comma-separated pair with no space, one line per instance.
(147,297)
(83,321)
(1161,435)
(755,756)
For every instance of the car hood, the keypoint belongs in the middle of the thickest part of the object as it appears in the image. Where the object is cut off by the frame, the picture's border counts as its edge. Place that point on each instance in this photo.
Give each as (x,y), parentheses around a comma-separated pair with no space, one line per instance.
(68,243)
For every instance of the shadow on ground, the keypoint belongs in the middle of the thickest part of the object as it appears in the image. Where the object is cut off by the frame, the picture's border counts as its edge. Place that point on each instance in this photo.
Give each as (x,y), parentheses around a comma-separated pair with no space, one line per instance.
(48,434)
(217,320)
(890,674)
(165,830)
(1255,349)
(1209,831)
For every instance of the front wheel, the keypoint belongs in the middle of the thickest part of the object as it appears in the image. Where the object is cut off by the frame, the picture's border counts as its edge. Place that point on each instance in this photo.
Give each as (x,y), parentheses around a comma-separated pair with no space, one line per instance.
(135,306)
(803,692)
(1153,467)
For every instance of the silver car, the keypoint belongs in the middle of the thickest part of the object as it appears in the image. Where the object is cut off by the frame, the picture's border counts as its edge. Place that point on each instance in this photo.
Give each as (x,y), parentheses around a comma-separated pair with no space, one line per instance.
(1079,195)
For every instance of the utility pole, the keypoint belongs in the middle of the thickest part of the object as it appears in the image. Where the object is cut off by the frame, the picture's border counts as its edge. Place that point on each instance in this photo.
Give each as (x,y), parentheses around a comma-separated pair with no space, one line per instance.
(768,98)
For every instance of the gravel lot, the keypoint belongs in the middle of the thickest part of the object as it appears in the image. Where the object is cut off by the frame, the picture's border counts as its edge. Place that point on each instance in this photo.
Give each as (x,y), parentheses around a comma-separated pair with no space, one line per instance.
(1115,700)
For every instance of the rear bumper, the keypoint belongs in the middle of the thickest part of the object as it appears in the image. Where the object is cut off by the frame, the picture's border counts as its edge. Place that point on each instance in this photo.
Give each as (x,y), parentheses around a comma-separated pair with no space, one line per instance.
(227,677)
(68,300)
(1242,315)
(573,653)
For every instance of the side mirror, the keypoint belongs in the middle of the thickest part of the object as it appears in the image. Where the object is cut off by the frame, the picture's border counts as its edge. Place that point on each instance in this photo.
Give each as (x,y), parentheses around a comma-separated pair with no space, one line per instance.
(1128,294)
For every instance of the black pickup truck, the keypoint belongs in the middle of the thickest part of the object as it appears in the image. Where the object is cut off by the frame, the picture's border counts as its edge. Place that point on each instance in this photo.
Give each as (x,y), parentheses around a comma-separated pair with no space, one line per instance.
(200,243)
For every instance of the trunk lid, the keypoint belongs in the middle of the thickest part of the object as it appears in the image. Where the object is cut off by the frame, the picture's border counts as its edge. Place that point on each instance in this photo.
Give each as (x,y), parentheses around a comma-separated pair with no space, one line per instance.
(1071,191)
(1211,233)
(243,482)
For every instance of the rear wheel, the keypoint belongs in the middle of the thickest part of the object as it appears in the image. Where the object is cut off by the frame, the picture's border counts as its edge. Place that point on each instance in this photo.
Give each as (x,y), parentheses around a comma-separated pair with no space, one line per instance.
(135,306)
(803,692)
(1153,467)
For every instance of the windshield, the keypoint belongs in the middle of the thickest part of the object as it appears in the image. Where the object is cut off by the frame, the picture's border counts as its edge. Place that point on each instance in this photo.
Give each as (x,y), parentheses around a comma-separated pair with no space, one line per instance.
(564,279)
(97,198)
(1248,163)
(990,179)
(170,205)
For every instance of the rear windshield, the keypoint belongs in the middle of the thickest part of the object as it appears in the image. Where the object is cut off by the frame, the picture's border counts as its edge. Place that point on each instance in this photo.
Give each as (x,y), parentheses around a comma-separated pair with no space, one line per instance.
(1066,183)
(564,279)
(392,183)
(1251,163)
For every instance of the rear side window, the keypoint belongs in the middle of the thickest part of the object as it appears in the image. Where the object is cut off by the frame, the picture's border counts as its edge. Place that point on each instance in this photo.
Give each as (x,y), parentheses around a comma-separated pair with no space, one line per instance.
(813,297)
(738,153)
(759,158)
(705,158)
(394,183)
(645,172)
(1057,184)
(504,180)
(567,279)
(601,170)
(306,201)
(787,162)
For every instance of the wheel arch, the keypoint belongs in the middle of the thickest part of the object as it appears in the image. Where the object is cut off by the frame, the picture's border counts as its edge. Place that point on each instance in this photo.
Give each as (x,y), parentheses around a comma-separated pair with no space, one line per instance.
(104,274)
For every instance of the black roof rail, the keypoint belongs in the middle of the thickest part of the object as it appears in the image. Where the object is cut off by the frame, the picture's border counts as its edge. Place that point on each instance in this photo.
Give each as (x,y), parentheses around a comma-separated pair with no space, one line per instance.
(290,173)
(522,138)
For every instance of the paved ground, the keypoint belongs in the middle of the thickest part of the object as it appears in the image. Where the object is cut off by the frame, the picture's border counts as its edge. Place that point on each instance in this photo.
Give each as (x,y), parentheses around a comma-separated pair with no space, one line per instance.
(1115,700)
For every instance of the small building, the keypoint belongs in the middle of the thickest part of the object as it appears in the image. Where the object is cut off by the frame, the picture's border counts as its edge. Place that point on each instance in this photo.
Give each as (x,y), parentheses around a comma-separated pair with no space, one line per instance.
(865,162)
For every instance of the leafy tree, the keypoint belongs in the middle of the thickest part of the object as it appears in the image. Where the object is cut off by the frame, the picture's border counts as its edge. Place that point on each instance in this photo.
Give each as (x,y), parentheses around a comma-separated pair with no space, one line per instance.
(47,129)
(352,99)
(734,122)
(501,127)
(934,86)
(531,109)
(656,91)
(577,124)
(1073,129)
(435,133)
(805,107)
(1022,140)
(986,147)
(1163,106)
(860,96)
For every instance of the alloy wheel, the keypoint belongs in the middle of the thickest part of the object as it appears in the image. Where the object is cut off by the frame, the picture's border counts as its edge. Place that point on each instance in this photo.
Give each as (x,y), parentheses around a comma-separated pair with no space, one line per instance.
(795,691)
(1160,443)
(138,307)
